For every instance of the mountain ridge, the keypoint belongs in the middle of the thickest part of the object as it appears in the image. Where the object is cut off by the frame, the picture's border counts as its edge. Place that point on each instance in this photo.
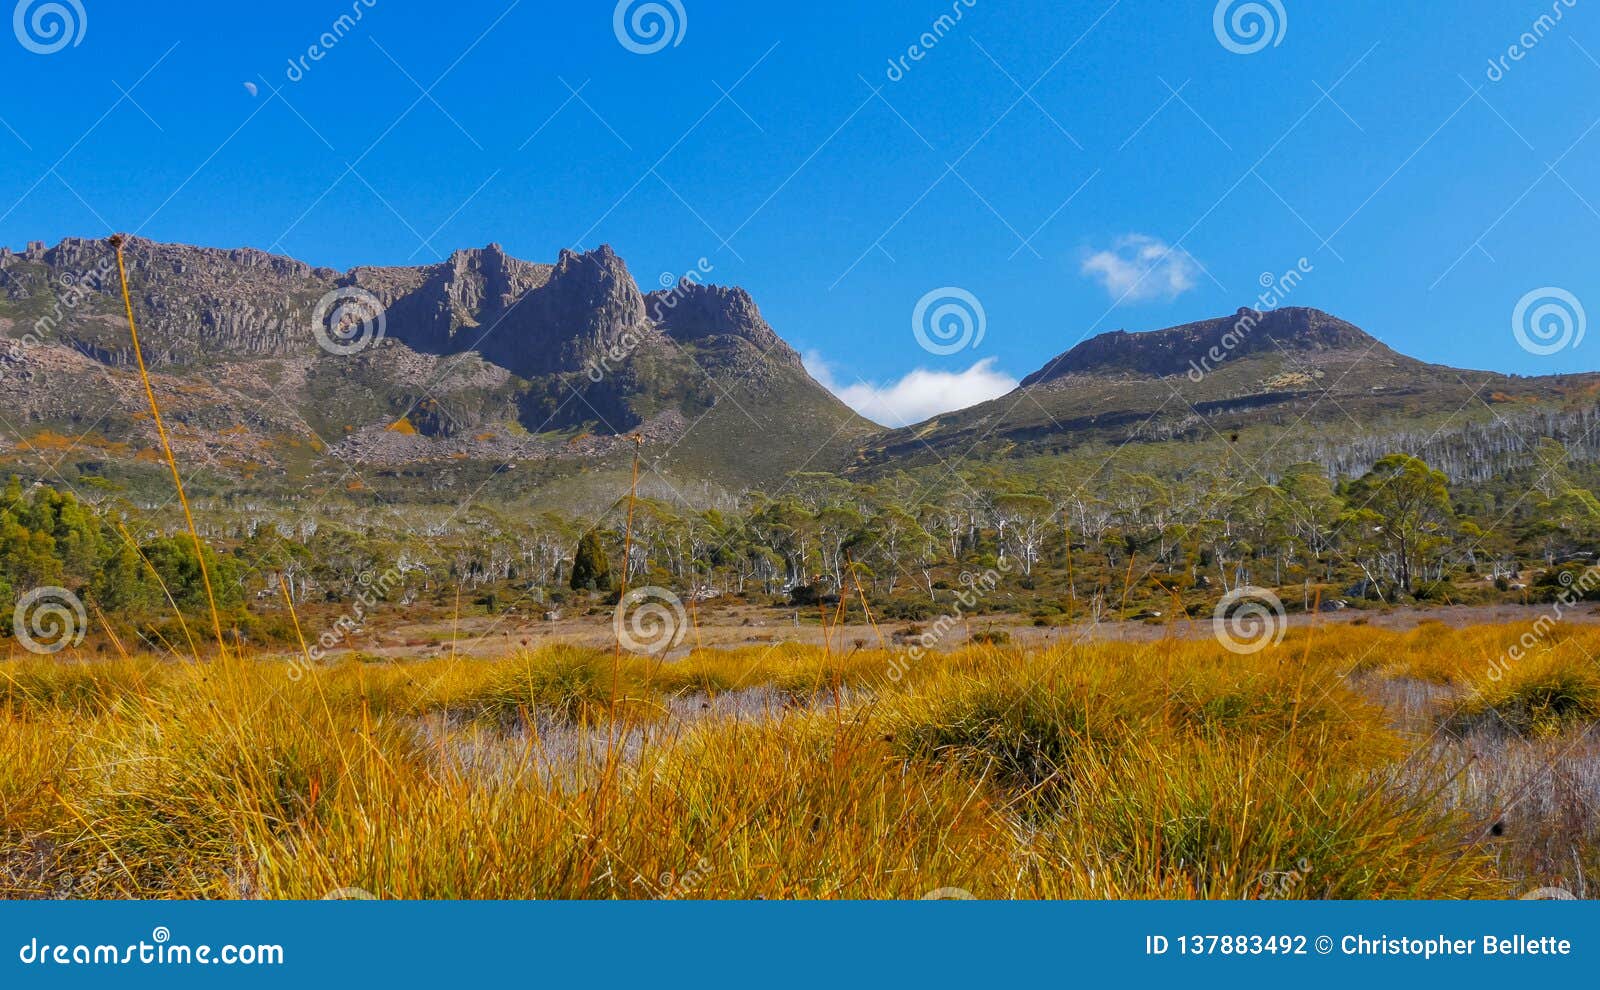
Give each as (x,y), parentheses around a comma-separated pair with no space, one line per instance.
(480,356)
(488,362)
(1186,347)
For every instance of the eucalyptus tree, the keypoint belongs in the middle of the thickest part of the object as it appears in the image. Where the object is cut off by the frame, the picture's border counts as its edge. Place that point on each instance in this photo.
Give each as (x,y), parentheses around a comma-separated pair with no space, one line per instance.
(1402,514)
(1025,522)
(895,541)
(836,527)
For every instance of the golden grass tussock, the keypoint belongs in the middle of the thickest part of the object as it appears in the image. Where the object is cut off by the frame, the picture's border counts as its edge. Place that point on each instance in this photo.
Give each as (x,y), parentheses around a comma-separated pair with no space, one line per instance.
(1321,767)
(1543,697)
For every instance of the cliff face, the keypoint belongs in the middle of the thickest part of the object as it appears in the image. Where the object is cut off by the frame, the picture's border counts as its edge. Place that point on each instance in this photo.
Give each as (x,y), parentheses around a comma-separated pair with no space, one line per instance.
(437,309)
(193,303)
(589,306)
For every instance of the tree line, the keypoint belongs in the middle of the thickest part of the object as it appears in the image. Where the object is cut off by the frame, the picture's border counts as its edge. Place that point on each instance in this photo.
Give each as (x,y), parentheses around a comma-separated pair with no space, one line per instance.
(1397,532)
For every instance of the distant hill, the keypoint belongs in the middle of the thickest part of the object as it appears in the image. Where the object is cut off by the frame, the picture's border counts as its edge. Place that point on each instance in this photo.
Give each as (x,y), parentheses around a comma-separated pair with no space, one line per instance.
(1300,381)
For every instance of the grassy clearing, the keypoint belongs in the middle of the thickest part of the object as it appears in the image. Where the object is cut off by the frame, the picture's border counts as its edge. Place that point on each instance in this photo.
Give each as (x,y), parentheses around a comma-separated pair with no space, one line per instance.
(1354,763)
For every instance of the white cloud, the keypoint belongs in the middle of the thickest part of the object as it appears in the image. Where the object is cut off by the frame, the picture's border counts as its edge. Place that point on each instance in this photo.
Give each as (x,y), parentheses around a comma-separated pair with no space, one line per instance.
(1140,267)
(918,396)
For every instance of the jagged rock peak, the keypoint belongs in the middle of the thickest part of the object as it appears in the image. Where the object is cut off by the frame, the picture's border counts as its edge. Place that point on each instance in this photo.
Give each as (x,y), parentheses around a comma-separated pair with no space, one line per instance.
(594,289)
(1171,351)
(692,311)
(601,263)
(492,273)
(588,305)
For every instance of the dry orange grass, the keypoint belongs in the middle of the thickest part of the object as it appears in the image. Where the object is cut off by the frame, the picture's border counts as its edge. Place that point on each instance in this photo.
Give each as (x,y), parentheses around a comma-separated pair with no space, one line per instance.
(1335,765)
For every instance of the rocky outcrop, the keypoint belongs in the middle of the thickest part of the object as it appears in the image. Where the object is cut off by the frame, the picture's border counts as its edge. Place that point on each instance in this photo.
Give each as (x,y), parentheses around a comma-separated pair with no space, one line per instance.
(437,308)
(193,303)
(692,312)
(588,306)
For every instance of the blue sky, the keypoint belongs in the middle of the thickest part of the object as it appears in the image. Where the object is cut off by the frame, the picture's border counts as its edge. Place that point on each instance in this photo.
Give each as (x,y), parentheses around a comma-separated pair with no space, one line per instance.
(1075,167)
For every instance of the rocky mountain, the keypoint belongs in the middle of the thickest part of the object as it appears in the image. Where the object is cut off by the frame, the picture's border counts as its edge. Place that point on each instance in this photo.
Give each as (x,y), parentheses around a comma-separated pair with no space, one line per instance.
(485,370)
(483,362)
